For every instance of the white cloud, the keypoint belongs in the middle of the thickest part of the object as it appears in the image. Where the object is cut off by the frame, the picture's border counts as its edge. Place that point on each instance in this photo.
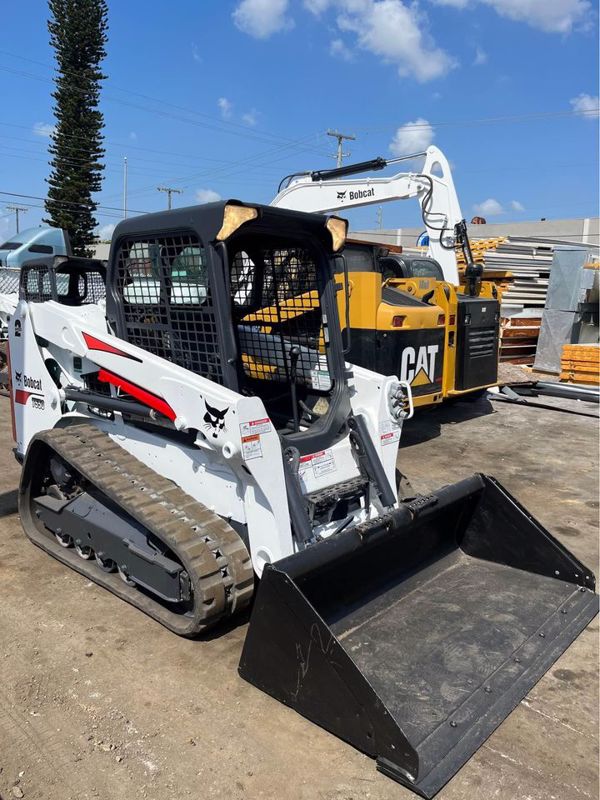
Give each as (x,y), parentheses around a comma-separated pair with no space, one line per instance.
(489,208)
(550,16)
(481,57)
(196,53)
(317,7)
(133,136)
(338,49)
(586,105)
(207,196)
(225,107)
(413,137)
(250,118)
(45,129)
(262,18)
(396,32)
(516,206)
(105,232)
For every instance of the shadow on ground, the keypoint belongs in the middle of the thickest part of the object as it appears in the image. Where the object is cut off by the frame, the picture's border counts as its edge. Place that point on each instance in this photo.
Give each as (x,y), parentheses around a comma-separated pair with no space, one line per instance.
(8,503)
(427,423)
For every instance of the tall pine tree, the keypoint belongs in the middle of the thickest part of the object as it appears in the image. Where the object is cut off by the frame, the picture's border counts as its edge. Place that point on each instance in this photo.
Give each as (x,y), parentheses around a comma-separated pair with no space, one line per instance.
(78,33)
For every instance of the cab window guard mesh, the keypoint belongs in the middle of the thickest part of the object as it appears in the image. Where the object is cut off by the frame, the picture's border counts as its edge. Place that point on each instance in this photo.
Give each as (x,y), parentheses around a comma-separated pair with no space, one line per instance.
(69,285)
(162,287)
(36,286)
(276,302)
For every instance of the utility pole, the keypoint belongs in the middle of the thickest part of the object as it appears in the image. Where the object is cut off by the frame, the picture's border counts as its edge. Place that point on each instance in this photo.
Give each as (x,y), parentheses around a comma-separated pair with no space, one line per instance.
(17,209)
(380,217)
(340,138)
(124,187)
(169,190)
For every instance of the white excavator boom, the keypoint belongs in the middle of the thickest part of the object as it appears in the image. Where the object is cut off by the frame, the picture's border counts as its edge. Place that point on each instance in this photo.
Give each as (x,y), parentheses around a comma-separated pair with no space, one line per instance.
(433,187)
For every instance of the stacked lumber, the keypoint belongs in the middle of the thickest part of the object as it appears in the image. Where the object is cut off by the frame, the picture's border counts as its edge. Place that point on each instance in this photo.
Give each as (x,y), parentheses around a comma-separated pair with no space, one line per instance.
(529,264)
(580,363)
(518,339)
(479,247)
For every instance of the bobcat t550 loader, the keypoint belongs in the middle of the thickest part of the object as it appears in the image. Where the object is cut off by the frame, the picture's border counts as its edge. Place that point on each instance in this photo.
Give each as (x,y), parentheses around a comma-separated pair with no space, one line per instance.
(184,456)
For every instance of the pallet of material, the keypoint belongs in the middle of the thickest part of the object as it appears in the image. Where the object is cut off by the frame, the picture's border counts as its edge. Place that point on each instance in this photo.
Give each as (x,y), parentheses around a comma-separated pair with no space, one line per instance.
(519,336)
(580,363)
(580,377)
(523,360)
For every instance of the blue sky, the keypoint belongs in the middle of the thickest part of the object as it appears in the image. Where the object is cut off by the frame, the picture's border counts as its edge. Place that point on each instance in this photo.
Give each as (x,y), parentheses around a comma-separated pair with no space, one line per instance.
(224,97)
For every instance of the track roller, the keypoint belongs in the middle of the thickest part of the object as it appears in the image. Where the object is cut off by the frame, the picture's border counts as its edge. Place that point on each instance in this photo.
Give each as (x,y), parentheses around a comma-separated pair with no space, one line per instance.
(87,502)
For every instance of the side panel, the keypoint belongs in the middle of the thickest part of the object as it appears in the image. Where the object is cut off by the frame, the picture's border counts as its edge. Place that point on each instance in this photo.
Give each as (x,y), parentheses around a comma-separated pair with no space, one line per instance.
(36,400)
(477,342)
(234,431)
(212,483)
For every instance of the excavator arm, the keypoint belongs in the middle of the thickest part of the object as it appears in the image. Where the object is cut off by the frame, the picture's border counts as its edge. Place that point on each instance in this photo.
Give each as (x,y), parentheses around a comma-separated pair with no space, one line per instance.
(433,187)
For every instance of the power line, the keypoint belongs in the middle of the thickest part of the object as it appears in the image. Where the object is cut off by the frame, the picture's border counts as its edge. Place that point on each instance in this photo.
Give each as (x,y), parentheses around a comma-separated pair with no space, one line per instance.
(408,126)
(65,203)
(223,126)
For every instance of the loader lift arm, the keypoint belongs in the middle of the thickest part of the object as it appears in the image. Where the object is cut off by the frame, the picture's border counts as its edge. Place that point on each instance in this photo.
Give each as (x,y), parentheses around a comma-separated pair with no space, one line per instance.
(328,190)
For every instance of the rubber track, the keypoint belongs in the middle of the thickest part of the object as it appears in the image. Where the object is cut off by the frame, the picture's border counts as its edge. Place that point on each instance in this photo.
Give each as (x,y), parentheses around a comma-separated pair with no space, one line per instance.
(212,553)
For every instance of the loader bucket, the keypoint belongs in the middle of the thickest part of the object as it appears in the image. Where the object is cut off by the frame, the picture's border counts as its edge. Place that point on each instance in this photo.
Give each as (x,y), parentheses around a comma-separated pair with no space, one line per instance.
(413,638)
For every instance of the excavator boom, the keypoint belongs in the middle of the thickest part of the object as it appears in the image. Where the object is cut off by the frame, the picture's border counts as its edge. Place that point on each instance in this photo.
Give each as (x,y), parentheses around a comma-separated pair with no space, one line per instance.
(433,187)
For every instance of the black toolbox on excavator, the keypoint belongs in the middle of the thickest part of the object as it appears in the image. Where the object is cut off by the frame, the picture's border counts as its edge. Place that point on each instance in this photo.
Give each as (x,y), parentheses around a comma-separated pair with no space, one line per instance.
(414,637)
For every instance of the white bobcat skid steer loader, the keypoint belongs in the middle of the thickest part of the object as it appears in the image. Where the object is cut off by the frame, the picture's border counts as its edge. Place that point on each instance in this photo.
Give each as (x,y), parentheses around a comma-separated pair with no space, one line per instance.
(205,431)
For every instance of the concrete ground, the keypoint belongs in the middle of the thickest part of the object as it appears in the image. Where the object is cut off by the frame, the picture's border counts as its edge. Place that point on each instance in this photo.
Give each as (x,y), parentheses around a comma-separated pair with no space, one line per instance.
(97,701)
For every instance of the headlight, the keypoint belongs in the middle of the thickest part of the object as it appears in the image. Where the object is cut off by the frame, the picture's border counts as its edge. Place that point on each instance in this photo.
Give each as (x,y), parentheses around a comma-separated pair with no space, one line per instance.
(233,218)
(338,228)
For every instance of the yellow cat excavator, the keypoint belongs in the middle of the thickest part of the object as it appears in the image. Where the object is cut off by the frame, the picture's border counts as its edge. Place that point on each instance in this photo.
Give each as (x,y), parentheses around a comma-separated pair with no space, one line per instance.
(409,314)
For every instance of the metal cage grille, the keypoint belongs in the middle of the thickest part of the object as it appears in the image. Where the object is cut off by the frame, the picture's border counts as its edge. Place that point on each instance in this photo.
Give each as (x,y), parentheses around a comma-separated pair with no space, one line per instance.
(9,280)
(163,288)
(276,301)
(36,286)
(73,285)
(80,287)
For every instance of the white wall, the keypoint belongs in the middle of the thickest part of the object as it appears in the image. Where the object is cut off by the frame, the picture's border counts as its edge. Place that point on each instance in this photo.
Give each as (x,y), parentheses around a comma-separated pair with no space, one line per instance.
(585,230)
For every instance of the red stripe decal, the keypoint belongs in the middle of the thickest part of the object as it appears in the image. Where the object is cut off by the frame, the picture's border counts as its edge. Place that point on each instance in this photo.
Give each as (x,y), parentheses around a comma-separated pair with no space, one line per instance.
(21,396)
(147,398)
(98,344)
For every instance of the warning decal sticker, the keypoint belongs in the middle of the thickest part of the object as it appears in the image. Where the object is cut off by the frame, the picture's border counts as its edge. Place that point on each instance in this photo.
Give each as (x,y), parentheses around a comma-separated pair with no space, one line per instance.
(321,463)
(250,433)
(389,433)
(251,447)
(255,426)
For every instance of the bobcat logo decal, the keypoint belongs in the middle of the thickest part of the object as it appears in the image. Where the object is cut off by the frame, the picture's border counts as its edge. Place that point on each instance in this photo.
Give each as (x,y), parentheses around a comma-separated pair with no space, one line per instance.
(214,419)
(342,195)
